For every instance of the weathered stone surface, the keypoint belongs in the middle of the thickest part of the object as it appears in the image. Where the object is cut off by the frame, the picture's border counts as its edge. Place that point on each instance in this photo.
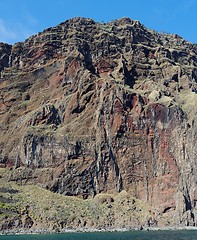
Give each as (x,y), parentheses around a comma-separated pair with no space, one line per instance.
(90,108)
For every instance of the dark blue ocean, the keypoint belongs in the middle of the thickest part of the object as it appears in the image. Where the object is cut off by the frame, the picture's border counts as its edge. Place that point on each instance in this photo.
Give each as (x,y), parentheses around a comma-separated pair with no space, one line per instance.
(133,235)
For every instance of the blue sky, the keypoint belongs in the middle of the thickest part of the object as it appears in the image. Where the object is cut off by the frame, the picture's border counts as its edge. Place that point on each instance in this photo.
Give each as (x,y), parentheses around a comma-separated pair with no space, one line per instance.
(20,19)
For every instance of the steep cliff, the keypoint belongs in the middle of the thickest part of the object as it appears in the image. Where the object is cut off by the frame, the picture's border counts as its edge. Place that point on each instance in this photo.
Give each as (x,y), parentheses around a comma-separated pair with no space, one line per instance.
(89,108)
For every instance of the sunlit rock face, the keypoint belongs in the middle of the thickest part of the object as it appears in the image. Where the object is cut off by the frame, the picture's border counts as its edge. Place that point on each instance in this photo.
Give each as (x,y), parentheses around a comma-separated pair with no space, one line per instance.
(90,108)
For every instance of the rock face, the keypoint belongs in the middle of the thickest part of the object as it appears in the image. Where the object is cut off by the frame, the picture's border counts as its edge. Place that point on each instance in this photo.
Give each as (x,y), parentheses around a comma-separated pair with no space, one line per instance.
(90,108)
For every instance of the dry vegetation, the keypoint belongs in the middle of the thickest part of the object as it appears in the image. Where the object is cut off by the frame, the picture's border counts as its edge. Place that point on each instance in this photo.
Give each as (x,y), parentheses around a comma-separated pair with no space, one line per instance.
(56,212)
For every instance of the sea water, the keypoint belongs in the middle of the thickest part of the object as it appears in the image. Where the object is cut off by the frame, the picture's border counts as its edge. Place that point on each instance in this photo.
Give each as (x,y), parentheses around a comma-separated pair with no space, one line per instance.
(133,235)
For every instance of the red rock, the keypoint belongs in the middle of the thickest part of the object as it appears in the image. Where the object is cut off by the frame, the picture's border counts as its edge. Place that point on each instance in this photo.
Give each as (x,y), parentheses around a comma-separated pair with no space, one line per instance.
(110,108)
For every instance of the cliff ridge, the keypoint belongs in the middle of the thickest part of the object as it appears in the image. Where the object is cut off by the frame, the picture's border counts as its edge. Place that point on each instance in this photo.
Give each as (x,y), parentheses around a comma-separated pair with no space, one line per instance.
(93,108)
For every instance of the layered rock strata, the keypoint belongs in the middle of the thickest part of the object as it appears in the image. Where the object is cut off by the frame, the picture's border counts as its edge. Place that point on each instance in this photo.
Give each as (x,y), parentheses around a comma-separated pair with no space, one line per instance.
(89,108)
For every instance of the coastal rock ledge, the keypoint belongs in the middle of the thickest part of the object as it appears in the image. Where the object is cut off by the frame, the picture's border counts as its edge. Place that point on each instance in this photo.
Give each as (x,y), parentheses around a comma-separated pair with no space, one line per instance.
(98,128)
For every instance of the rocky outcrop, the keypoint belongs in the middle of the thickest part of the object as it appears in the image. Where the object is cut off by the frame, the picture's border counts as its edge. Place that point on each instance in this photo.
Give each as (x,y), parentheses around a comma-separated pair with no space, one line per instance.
(5,50)
(89,108)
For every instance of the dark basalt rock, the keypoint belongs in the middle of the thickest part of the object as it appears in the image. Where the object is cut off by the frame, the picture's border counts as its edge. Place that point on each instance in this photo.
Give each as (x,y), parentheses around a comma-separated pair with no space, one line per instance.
(110,107)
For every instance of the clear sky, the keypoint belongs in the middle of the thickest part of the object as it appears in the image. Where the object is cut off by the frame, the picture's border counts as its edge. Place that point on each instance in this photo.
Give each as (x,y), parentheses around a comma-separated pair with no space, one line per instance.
(20,19)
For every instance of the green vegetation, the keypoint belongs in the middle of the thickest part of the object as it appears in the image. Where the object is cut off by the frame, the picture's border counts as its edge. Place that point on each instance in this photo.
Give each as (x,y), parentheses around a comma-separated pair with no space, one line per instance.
(53,210)
(24,104)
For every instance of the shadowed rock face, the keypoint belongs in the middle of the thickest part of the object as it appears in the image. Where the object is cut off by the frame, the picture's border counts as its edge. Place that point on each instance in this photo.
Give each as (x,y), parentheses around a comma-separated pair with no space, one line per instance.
(88,108)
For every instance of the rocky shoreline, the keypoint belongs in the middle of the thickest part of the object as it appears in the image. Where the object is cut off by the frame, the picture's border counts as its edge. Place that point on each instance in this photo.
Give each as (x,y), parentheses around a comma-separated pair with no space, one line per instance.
(91,230)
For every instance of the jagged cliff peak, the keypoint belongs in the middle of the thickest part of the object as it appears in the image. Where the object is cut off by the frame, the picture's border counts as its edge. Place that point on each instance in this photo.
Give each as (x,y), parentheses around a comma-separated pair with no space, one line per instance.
(89,108)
